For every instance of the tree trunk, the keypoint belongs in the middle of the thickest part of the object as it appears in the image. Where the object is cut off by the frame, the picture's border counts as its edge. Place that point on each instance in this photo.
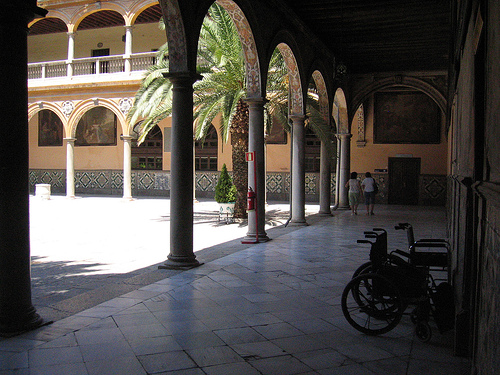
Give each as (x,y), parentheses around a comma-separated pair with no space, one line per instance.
(239,142)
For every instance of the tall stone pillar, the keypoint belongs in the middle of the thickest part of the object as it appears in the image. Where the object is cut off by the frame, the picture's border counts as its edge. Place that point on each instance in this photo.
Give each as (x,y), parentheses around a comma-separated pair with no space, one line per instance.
(298,171)
(127,167)
(345,169)
(17,313)
(70,167)
(181,173)
(71,52)
(257,172)
(128,47)
(325,176)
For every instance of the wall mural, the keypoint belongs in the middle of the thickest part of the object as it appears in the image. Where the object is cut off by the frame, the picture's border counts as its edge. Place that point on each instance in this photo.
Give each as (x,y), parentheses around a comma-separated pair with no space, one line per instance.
(50,129)
(403,117)
(97,127)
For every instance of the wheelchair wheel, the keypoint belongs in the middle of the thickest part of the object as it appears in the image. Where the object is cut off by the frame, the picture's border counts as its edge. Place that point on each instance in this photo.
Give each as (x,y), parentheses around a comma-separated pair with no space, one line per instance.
(423,331)
(364,268)
(372,304)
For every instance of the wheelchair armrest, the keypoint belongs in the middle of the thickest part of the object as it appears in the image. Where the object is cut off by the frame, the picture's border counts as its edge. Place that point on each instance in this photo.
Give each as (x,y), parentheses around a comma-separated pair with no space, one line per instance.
(365,241)
(402,226)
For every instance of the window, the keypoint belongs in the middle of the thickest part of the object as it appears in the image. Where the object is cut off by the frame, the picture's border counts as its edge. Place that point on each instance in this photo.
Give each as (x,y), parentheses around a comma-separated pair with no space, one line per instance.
(206,152)
(148,155)
(312,151)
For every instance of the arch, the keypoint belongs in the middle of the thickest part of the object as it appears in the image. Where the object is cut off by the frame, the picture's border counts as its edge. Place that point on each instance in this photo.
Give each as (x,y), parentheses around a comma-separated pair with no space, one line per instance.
(34,108)
(52,21)
(295,83)
(82,107)
(323,101)
(137,9)
(340,113)
(89,9)
(398,81)
(252,65)
(176,37)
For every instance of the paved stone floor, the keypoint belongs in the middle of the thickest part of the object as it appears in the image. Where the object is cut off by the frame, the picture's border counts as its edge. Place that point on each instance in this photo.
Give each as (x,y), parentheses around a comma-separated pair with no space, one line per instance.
(269,308)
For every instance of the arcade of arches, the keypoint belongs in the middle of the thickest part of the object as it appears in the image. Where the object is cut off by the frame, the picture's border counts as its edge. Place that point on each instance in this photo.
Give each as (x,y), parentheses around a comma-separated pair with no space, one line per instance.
(428,116)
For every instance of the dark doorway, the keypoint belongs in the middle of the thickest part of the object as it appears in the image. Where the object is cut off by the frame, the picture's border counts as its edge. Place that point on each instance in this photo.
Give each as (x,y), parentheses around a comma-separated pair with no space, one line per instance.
(403,180)
(103,65)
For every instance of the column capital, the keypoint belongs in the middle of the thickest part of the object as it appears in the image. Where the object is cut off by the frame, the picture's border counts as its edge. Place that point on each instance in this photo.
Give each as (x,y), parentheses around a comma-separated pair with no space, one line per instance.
(297,117)
(179,77)
(343,136)
(126,138)
(256,101)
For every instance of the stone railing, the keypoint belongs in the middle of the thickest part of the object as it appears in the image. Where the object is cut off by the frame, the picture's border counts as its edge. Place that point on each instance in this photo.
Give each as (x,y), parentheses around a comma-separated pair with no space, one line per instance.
(92,66)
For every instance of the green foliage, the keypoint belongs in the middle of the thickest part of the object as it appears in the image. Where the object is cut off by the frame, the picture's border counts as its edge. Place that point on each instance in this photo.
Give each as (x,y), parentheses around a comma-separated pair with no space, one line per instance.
(225,190)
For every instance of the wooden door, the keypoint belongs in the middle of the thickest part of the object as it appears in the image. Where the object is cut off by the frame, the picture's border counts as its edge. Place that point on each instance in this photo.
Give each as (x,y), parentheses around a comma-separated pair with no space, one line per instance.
(404,175)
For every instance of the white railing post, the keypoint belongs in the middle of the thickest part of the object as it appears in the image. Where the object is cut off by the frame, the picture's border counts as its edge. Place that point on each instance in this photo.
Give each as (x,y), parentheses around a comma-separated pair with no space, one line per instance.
(71,53)
(44,71)
(128,47)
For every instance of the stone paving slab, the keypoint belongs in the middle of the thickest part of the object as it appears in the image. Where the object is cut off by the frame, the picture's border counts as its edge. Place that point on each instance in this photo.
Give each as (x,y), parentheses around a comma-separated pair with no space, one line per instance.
(270,308)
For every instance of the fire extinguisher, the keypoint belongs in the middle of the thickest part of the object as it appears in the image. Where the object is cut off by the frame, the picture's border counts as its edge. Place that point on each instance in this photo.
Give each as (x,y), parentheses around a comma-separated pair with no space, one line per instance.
(250,199)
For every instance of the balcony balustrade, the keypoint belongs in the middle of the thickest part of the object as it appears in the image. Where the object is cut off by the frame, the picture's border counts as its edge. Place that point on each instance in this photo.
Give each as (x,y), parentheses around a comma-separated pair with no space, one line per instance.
(92,66)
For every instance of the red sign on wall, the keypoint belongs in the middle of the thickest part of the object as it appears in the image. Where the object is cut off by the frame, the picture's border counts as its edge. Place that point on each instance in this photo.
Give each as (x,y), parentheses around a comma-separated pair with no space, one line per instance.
(250,156)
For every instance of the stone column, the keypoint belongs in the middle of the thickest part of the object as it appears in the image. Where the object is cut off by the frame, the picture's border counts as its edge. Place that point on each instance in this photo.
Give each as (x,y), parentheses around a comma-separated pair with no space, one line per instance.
(181,173)
(127,167)
(298,171)
(17,313)
(128,48)
(257,181)
(345,169)
(70,167)
(71,52)
(325,177)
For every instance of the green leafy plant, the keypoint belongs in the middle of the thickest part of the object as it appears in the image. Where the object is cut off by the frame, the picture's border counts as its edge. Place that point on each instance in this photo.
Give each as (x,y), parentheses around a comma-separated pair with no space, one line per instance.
(225,190)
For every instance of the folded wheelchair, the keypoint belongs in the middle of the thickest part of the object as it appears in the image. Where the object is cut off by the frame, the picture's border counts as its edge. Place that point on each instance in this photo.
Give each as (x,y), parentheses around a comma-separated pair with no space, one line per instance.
(383,289)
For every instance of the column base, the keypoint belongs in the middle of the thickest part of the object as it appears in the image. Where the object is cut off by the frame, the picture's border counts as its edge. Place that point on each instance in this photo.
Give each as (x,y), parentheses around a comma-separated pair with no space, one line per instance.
(325,213)
(128,199)
(250,239)
(180,263)
(14,326)
(298,223)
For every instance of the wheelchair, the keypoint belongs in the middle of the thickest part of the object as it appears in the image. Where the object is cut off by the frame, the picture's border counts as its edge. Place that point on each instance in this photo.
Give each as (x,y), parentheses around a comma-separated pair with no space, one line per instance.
(384,288)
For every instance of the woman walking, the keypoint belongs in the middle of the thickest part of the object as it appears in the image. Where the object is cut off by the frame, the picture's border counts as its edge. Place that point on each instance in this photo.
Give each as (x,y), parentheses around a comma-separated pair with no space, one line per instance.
(368,185)
(354,192)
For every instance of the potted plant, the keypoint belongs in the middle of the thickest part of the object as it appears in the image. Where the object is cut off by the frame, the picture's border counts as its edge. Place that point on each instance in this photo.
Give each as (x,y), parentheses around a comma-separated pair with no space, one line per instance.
(225,194)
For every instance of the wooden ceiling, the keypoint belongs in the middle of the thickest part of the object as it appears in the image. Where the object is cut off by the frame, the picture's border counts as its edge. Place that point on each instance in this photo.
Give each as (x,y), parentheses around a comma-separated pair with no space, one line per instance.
(368,36)
(372,36)
(97,20)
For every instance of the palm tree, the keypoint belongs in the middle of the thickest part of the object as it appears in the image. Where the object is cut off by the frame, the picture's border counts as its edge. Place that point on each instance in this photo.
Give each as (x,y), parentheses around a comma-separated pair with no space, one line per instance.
(222,91)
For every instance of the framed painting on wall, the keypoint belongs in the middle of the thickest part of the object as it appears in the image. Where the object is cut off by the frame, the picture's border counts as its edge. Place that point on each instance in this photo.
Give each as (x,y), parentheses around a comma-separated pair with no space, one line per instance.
(97,127)
(406,117)
(50,129)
